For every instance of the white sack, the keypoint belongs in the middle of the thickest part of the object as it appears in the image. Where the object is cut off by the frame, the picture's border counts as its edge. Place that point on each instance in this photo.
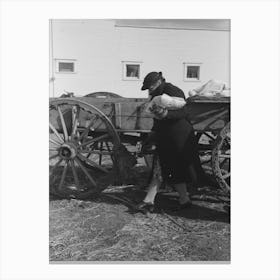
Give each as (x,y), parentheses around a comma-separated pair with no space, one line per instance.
(167,102)
(210,89)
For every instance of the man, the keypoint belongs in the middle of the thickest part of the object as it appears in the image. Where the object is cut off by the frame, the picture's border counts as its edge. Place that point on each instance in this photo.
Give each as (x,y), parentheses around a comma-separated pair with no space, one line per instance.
(175,144)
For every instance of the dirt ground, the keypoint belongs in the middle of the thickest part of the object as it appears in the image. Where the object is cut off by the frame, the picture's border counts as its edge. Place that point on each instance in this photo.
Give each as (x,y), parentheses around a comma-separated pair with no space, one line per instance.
(106,228)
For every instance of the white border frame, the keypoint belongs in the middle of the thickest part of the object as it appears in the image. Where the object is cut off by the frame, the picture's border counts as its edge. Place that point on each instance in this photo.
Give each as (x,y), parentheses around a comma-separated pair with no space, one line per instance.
(24,195)
(185,65)
(127,62)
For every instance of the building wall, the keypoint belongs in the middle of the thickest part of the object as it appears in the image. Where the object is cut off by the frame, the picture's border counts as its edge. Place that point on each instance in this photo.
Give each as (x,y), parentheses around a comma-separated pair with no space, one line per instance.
(99,48)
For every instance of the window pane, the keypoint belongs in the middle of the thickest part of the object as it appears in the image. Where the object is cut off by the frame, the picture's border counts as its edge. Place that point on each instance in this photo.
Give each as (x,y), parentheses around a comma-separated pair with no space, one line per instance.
(66,66)
(132,70)
(193,72)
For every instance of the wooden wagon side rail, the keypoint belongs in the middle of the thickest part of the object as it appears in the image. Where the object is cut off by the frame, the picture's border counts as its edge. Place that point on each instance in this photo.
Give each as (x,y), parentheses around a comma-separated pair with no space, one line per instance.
(208,113)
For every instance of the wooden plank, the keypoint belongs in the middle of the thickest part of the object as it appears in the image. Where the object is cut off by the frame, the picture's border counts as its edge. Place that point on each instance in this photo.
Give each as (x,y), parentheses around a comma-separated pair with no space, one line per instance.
(206,114)
(204,99)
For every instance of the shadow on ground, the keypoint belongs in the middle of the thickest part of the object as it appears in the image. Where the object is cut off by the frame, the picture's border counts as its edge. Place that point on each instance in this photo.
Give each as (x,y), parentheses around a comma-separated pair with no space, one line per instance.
(207,204)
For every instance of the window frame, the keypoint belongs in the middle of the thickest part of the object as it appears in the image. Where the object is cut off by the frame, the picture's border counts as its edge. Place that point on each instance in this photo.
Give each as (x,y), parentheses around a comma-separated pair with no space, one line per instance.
(186,65)
(58,60)
(124,65)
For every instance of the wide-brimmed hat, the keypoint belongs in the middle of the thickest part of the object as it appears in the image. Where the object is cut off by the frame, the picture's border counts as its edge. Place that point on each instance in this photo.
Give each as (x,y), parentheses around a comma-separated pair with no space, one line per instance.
(150,79)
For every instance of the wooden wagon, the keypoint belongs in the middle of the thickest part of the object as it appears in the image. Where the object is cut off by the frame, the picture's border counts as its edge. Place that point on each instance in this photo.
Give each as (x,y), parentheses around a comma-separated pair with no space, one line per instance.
(94,141)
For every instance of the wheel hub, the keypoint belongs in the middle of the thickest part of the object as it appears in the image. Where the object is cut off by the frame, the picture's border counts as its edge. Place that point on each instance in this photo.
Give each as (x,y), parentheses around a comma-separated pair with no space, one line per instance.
(68,151)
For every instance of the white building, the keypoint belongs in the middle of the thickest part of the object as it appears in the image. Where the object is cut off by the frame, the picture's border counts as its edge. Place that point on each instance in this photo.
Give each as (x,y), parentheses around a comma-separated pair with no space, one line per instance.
(115,55)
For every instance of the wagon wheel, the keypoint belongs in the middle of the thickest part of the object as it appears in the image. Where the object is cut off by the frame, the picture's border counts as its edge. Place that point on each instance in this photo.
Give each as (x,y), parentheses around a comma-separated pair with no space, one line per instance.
(221,158)
(205,142)
(78,167)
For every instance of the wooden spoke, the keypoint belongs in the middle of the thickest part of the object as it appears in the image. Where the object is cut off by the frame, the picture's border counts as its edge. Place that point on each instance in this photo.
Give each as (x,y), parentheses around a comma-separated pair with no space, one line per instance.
(54,142)
(206,161)
(95,152)
(99,119)
(53,149)
(75,118)
(226,176)
(85,171)
(222,163)
(92,147)
(207,168)
(56,133)
(63,123)
(92,163)
(102,137)
(224,155)
(227,141)
(63,176)
(74,171)
(108,147)
(85,132)
(54,167)
(210,136)
(53,156)
(110,151)
(100,155)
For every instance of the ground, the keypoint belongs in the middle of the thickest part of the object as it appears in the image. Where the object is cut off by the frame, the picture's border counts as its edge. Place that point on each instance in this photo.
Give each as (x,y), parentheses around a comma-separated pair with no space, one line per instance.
(107,228)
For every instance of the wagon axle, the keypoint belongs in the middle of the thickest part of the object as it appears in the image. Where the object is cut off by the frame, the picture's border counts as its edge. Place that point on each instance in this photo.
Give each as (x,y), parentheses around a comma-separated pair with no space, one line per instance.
(68,151)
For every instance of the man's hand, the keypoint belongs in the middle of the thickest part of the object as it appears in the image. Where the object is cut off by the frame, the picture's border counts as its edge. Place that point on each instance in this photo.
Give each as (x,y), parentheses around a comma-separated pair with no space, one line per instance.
(159,112)
(150,139)
(161,115)
(149,143)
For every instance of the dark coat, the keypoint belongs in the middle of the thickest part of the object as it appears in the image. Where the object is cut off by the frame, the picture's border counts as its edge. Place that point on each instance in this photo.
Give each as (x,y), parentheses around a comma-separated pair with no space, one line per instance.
(175,140)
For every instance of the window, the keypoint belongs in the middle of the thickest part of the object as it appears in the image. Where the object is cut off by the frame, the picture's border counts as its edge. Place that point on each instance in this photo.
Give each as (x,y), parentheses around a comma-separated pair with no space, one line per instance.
(65,65)
(131,70)
(192,72)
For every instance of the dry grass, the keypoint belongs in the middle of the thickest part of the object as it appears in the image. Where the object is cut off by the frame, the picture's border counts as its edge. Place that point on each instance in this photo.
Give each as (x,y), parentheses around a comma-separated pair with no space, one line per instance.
(105,229)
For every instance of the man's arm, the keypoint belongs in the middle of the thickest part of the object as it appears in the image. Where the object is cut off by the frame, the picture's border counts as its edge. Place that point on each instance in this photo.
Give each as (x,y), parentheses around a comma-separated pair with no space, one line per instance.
(177,114)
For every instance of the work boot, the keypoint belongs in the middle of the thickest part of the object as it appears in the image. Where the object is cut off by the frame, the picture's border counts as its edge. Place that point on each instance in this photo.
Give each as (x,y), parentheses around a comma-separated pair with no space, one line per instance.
(145,207)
